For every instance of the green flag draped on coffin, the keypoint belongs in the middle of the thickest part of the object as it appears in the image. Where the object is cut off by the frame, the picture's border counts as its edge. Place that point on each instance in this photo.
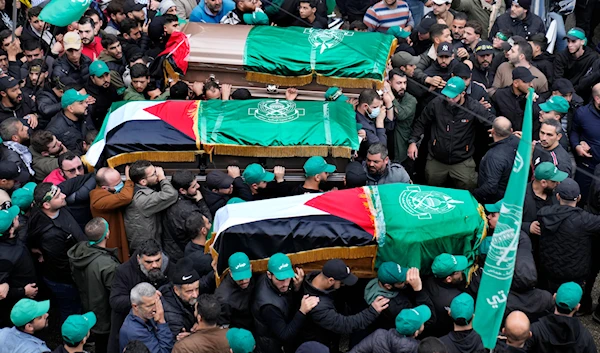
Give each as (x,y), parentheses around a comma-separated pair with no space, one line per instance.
(336,57)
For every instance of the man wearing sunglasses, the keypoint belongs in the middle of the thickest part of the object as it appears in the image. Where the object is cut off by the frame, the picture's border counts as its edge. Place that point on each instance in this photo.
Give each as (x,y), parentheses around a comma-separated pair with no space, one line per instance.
(69,167)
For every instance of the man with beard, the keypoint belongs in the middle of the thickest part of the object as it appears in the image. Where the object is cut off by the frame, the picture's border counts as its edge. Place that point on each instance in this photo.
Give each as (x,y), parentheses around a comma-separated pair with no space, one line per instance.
(316,171)
(471,39)
(29,317)
(276,320)
(138,90)
(442,66)
(520,20)
(387,14)
(134,11)
(510,101)
(179,299)
(211,11)
(380,170)
(92,47)
(439,33)
(14,105)
(72,123)
(32,50)
(72,64)
(484,54)
(404,107)
(44,148)
(133,36)
(235,293)
(450,156)
(52,232)
(153,194)
(146,321)
(114,12)
(447,282)
(548,148)
(575,62)
(114,59)
(220,187)
(407,65)
(148,264)
(100,87)
(440,11)
(458,28)
(36,81)
(189,202)
(372,117)
(15,137)
(402,286)
(540,193)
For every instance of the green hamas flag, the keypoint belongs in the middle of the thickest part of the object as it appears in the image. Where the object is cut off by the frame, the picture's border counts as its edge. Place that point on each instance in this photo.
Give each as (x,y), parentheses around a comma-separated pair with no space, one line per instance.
(415,223)
(337,57)
(277,128)
(64,12)
(500,262)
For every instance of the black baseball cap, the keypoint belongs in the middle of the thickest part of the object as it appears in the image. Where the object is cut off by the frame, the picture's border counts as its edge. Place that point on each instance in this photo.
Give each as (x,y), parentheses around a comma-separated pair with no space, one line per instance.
(338,270)
(523,74)
(563,85)
(131,5)
(355,175)
(218,180)
(484,48)
(461,70)
(184,272)
(7,82)
(445,49)
(9,170)
(568,190)
(425,25)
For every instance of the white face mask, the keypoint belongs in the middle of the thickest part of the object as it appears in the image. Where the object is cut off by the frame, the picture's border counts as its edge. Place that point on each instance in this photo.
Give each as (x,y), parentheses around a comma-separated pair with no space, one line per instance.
(375,113)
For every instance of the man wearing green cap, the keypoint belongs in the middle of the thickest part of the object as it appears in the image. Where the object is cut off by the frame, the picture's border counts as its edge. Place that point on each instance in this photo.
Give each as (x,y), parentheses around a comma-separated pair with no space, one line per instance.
(28,317)
(562,329)
(452,144)
(75,333)
(316,171)
(276,322)
(463,339)
(100,87)
(447,282)
(549,149)
(404,288)
(409,324)
(235,292)
(540,193)
(575,62)
(72,124)
(256,177)
(240,340)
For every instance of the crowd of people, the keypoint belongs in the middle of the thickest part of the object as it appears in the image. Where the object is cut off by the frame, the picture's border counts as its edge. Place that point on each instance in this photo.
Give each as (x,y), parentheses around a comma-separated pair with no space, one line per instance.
(120,259)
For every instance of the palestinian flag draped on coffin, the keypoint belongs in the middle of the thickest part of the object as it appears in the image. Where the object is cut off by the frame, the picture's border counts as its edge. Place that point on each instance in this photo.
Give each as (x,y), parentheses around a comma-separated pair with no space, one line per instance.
(405,223)
(172,131)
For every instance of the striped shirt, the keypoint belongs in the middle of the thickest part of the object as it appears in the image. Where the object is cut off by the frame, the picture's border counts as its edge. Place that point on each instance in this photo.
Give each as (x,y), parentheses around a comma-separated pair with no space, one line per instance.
(380,17)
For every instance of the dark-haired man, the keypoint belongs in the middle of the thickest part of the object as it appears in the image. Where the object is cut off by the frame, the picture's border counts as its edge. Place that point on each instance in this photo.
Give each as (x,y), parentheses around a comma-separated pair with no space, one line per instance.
(99,86)
(308,15)
(114,59)
(576,61)
(92,46)
(72,64)
(14,104)
(520,19)
(36,81)
(138,90)
(463,339)
(44,148)
(404,108)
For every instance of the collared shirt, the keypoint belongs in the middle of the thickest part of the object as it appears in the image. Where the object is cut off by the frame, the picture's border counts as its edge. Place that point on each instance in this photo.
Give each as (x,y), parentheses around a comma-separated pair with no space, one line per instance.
(15,341)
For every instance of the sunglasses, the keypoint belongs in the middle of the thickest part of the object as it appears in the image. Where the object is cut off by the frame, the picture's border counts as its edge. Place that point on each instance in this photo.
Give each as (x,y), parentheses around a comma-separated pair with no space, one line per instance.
(72,170)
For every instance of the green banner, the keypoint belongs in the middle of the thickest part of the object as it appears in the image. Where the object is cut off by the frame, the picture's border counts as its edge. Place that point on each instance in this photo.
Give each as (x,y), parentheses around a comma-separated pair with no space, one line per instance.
(337,57)
(500,262)
(277,128)
(415,223)
(62,13)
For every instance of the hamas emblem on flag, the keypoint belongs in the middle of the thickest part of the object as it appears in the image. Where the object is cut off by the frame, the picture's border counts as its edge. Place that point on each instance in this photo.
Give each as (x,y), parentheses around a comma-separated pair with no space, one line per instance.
(276,111)
(500,261)
(326,38)
(424,204)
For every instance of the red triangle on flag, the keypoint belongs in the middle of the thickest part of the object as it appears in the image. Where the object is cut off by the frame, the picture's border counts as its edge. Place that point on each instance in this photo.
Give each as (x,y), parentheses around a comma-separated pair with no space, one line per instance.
(350,204)
(179,114)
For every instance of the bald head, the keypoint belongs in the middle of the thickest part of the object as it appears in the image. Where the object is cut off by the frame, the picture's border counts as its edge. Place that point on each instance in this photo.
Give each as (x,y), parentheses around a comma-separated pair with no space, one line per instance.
(596,90)
(502,127)
(107,177)
(516,328)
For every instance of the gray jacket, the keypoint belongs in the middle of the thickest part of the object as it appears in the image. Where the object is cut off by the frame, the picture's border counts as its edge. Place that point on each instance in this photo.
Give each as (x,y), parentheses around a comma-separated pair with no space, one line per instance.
(143,216)
(394,173)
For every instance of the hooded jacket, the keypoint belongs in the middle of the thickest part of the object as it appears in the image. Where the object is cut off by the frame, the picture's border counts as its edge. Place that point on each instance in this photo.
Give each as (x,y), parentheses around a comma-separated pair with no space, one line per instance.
(116,67)
(441,295)
(105,97)
(565,243)
(560,334)
(93,269)
(571,68)
(463,342)
(393,173)
(545,63)
(42,165)
(386,341)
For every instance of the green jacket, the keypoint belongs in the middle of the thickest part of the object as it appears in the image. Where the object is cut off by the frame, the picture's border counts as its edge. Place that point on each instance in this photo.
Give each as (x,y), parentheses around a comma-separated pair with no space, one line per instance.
(404,114)
(132,95)
(42,166)
(93,269)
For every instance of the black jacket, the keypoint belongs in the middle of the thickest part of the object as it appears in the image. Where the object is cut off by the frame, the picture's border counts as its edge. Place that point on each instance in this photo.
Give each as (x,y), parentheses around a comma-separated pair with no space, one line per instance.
(529,26)
(178,315)
(532,204)
(54,237)
(235,303)
(386,341)
(573,69)
(452,129)
(436,70)
(16,268)
(545,63)
(48,104)
(483,76)
(64,68)
(325,323)
(594,197)
(463,342)
(9,155)
(174,236)
(70,133)
(511,106)
(215,201)
(77,191)
(105,97)
(566,243)
(557,156)
(560,334)
(441,295)
(494,170)
(27,106)
(29,34)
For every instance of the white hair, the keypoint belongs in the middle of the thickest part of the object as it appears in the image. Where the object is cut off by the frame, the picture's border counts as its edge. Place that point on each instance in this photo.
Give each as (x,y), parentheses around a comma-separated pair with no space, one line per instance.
(141,290)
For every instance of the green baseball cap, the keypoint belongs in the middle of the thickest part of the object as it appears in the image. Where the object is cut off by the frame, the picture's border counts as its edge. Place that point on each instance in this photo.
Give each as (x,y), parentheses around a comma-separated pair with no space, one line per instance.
(76,327)
(555,103)
(335,94)
(568,295)
(576,33)
(281,266)
(391,273)
(410,320)
(548,171)
(98,68)
(234,200)
(454,87)
(462,307)
(317,165)
(26,310)
(240,340)
(71,96)
(7,217)
(255,173)
(494,207)
(446,264)
(398,32)
(23,196)
(239,266)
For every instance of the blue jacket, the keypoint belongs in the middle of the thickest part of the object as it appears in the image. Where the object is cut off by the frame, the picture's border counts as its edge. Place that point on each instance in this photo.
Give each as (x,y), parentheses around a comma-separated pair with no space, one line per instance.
(586,127)
(201,14)
(15,341)
(157,337)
